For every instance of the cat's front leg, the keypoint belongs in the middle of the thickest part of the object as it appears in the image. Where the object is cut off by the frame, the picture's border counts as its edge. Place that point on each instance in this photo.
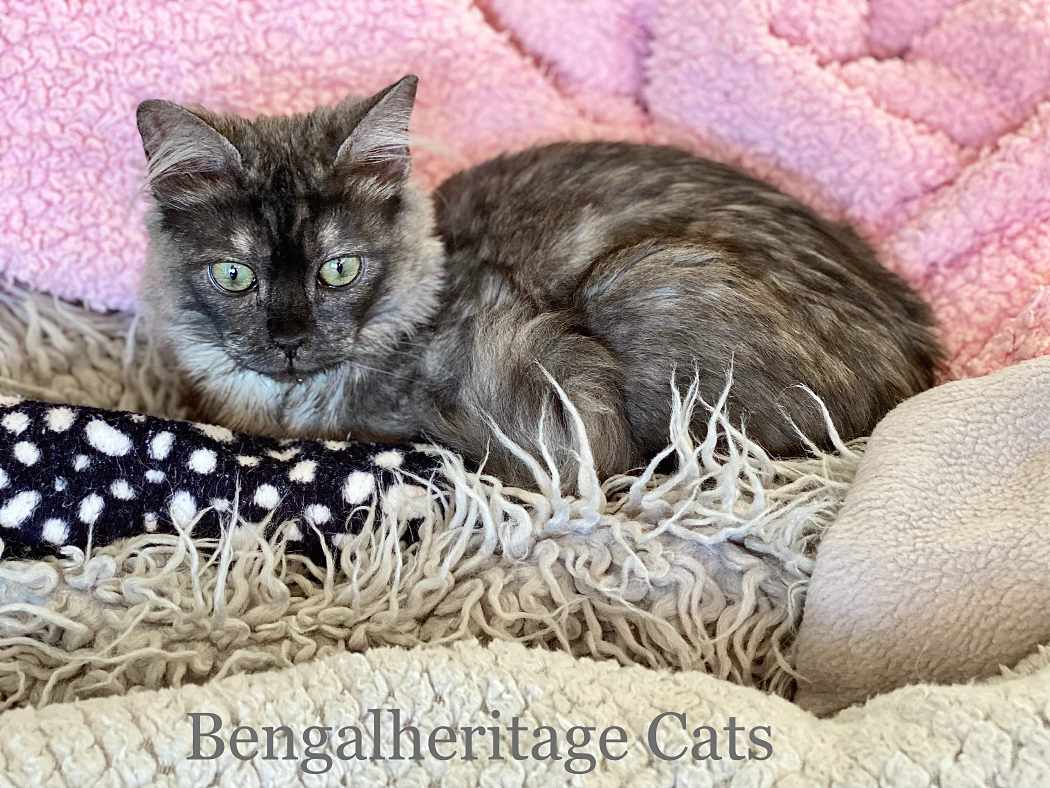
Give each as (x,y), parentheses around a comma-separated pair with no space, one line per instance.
(506,383)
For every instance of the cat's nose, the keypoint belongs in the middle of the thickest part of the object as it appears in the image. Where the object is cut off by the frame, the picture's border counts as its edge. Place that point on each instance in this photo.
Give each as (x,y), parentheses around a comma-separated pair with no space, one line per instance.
(288,335)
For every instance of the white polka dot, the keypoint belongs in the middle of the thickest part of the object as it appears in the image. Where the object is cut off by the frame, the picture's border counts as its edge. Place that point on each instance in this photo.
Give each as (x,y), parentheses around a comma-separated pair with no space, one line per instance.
(3,479)
(60,483)
(160,446)
(358,487)
(155,477)
(26,453)
(335,445)
(16,422)
(17,510)
(90,508)
(138,418)
(293,533)
(149,521)
(219,504)
(183,508)
(122,490)
(389,459)
(106,439)
(202,461)
(216,433)
(267,496)
(55,531)
(81,462)
(9,402)
(284,456)
(303,472)
(247,461)
(317,514)
(60,419)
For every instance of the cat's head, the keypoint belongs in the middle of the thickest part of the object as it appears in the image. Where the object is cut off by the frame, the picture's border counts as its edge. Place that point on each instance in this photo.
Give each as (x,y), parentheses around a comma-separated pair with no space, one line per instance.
(287,245)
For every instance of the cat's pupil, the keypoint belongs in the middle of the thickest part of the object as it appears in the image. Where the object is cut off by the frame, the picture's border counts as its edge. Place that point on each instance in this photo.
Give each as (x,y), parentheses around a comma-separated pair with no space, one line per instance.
(339,267)
(232,273)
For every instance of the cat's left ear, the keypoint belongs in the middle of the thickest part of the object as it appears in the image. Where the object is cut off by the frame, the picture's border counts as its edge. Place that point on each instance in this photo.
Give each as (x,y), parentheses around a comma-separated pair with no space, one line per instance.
(180,142)
(379,140)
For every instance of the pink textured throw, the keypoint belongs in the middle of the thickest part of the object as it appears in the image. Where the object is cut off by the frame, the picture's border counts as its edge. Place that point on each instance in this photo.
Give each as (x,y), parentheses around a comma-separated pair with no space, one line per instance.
(925,122)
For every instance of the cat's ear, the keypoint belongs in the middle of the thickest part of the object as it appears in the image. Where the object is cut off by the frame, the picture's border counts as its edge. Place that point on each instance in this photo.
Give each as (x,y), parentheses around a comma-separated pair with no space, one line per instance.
(178,142)
(379,140)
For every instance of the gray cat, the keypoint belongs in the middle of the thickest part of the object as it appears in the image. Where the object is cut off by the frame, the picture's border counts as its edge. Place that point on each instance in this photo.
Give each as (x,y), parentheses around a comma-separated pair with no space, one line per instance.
(307,288)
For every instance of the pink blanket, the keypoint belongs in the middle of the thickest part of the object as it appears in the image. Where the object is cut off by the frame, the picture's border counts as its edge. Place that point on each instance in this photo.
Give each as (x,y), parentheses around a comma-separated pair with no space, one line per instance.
(925,122)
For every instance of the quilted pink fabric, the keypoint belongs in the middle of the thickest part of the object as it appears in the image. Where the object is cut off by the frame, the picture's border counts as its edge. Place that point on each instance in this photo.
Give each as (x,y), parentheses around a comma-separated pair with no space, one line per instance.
(925,122)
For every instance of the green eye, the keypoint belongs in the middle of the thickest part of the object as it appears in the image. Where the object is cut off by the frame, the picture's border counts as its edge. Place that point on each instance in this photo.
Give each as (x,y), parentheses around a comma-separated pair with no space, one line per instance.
(340,271)
(232,277)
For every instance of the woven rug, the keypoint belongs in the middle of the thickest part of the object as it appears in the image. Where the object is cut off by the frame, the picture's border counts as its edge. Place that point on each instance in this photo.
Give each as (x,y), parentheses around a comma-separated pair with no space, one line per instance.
(702,568)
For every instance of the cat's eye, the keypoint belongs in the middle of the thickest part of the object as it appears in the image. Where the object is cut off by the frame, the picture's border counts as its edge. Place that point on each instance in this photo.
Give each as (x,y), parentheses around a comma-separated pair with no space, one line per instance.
(340,271)
(232,277)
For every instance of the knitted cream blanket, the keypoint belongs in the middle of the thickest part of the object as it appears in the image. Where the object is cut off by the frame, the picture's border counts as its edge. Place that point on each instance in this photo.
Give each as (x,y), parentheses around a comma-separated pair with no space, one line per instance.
(990,734)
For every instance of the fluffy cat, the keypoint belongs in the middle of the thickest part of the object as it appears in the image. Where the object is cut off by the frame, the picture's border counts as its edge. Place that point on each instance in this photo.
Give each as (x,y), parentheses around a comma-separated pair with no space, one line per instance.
(307,288)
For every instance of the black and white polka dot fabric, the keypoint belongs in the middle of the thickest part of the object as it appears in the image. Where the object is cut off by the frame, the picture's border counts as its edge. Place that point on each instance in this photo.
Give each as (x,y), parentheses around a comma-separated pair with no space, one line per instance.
(67,472)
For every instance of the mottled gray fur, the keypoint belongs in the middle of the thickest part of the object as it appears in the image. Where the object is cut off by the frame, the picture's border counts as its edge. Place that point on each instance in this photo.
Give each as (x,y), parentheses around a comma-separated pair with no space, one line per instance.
(610,265)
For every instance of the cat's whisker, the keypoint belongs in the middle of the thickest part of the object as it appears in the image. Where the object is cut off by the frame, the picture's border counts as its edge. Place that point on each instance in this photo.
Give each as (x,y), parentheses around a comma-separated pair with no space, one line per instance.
(377,370)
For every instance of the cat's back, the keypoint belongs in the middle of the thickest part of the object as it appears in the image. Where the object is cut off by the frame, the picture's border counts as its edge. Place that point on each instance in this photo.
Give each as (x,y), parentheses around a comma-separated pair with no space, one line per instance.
(564,198)
(545,215)
(612,175)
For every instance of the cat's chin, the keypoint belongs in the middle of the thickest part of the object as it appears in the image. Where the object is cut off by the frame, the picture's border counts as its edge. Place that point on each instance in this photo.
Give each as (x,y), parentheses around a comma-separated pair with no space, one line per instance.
(288,377)
(291,377)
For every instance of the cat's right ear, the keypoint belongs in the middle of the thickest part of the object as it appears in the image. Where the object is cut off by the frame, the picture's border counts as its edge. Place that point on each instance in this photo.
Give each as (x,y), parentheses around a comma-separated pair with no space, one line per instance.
(179,143)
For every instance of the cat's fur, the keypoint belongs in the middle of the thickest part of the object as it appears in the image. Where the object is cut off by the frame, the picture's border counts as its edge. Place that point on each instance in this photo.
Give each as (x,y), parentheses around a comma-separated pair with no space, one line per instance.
(609,265)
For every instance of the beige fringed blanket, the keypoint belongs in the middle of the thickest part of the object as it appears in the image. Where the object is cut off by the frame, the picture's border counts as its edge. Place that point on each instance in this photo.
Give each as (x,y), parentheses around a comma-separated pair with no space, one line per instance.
(704,569)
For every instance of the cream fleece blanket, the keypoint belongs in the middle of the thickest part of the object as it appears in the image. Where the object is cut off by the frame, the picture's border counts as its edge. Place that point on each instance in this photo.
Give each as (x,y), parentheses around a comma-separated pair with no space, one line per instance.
(936,567)
(990,734)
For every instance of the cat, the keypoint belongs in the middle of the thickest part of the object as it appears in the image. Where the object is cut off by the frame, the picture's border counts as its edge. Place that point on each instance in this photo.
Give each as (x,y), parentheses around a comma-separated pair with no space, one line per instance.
(307,288)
